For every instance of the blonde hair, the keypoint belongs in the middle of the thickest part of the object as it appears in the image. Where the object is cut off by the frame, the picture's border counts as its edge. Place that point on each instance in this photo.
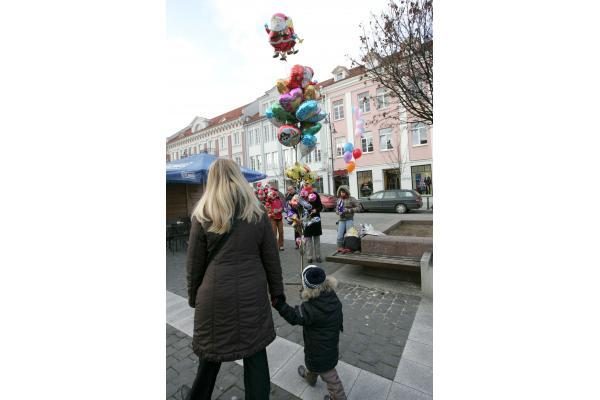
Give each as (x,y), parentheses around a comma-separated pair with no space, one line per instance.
(228,195)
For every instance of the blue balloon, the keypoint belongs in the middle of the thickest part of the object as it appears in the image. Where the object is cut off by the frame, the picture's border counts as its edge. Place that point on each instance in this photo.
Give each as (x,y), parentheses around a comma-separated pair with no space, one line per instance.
(309,140)
(317,117)
(348,147)
(307,109)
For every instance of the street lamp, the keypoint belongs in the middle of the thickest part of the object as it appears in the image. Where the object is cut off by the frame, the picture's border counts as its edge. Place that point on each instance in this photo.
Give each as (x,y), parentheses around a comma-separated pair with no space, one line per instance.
(331,133)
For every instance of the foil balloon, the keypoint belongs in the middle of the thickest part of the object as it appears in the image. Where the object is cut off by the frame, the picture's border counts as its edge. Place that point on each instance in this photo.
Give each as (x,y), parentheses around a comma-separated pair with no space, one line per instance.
(317,117)
(351,166)
(281,35)
(305,150)
(312,197)
(348,156)
(312,130)
(348,147)
(311,93)
(281,114)
(303,193)
(290,101)
(307,75)
(357,153)
(289,135)
(281,86)
(307,109)
(309,141)
(296,77)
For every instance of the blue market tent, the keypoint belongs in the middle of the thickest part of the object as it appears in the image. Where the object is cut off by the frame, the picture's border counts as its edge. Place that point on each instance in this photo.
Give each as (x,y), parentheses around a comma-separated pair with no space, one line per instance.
(194,170)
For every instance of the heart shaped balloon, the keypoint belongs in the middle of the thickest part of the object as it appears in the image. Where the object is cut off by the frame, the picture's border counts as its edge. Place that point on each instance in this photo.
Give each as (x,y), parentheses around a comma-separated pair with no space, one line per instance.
(281,86)
(307,109)
(311,93)
(309,140)
(290,101)
(317,117)
(281,114)
(312,130)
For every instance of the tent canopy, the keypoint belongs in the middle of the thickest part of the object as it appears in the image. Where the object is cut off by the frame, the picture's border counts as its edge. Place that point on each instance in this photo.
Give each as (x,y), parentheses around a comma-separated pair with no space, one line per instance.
(194,169)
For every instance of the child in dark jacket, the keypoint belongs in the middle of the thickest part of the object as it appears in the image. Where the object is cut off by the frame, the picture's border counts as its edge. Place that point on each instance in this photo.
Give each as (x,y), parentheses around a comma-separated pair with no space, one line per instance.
(321,316)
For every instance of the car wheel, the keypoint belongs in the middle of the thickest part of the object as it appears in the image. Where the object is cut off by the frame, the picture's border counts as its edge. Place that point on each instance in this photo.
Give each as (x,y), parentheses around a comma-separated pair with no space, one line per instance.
(401,208)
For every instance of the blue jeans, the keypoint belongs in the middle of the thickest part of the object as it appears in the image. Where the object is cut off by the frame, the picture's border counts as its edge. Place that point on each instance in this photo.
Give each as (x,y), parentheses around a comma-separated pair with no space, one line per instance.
(343,226)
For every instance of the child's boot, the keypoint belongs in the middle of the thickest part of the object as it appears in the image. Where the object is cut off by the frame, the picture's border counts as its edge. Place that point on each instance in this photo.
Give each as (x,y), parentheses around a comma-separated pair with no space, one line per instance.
(310,378)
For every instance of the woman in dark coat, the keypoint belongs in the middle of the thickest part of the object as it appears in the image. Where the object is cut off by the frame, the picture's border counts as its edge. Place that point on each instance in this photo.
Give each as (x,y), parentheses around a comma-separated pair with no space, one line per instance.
(232,266)
(313,232)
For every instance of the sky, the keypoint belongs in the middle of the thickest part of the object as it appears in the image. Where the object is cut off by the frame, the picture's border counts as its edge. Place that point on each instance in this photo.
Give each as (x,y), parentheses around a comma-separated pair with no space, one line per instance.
(219,58)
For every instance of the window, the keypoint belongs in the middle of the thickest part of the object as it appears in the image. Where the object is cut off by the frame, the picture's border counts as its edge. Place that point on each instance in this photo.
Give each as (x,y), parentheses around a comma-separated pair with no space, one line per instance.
(406,194)
(257,135)
(385,139)
(363,102)
(309,157)
(318,153)
(238,161)
(365,183)
(389,195)
(339,146)
(275,160)
(367,143)
(273,133)
(258,161)
(421,179)
(377,196)
(285,157)
(338,110)
(268,160)
(266,134)
(339,76)
(419,134)
(252,162)
(236,138)
(383,98)
(222,142)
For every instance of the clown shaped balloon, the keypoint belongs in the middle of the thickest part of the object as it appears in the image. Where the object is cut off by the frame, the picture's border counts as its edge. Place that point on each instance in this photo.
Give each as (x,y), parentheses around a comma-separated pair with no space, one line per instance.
(282,36)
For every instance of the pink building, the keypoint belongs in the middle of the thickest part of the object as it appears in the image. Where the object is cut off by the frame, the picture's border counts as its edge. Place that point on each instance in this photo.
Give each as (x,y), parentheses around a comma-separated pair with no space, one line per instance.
(396,153)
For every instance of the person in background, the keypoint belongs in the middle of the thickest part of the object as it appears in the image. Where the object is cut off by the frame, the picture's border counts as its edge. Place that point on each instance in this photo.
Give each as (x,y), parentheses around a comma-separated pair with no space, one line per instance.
(313,231)
(321,317)
(346,207)
(291,191)
(275,213)
(232,266)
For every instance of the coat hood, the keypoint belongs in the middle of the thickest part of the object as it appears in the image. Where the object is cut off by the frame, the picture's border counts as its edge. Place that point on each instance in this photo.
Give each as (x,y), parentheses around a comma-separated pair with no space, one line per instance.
(345,188)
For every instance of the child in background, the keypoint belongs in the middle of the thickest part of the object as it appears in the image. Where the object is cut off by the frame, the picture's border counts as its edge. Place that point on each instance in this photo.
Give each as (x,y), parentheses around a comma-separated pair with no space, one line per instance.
(275,210)
(322,319)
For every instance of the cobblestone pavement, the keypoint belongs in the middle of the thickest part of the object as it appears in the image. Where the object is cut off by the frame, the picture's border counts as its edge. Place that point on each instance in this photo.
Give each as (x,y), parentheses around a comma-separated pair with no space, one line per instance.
(182,364)
(376,322)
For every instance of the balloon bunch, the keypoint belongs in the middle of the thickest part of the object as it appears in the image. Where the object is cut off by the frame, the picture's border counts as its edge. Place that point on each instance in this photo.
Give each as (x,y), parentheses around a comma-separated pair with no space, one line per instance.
(298,208)
(352,154)
(282,36)
(297,114)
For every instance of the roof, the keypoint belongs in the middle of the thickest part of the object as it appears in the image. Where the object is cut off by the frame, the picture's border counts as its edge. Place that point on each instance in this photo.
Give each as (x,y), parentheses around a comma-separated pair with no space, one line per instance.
(218,120)
(254,118)
(351,74)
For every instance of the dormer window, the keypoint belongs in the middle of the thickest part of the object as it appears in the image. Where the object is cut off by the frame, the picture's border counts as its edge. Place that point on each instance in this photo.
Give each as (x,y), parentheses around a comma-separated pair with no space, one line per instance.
(339,76)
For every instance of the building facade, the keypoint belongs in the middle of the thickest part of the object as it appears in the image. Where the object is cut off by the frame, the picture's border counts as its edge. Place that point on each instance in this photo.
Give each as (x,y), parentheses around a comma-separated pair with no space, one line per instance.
(397,153)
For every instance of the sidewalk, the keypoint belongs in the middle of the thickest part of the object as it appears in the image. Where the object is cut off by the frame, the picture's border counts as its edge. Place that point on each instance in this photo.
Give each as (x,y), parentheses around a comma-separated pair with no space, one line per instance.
(412,380)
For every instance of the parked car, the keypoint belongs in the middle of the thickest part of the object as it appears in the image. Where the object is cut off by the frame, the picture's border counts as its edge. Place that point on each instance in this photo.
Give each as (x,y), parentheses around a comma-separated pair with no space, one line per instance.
(328,201)
(400,201)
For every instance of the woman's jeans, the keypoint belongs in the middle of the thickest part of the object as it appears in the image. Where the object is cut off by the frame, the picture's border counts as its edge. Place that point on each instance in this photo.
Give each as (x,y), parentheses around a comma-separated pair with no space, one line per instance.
(256,378)
(343,227)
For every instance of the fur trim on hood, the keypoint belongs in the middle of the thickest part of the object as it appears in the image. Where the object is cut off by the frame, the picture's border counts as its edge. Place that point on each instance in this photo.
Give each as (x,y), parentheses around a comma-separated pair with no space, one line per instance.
(330,284)
(344,188)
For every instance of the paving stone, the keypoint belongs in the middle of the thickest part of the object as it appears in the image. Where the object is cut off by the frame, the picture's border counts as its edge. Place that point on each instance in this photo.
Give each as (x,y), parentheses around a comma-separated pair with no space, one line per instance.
(287,377)
(421,334)
(279,352)
(418,352)
(370,386)
(414,375)
(403,392)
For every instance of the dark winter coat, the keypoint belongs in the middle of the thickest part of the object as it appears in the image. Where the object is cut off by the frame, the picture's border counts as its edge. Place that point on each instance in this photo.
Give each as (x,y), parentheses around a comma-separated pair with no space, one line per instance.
(314,229)
(233,311)
(322,319)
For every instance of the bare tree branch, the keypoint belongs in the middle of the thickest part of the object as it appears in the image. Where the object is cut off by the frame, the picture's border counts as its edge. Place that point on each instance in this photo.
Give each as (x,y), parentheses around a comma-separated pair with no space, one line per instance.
(397,53)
